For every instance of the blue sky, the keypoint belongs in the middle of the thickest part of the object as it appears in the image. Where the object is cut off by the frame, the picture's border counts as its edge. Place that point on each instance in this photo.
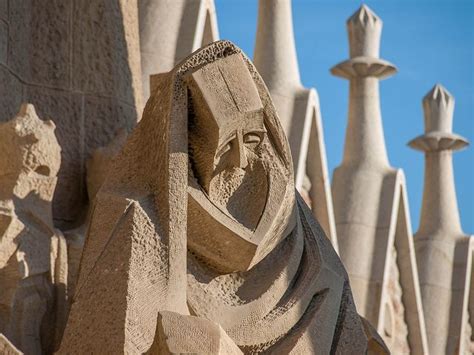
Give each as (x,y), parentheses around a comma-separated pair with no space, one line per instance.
(429,41)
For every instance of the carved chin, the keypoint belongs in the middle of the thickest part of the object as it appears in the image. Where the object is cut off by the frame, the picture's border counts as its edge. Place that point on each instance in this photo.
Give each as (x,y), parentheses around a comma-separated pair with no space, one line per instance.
(241,193)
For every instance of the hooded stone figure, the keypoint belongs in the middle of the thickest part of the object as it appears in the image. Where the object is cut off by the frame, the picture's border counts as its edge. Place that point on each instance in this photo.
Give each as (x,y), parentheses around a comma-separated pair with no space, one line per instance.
(199,242)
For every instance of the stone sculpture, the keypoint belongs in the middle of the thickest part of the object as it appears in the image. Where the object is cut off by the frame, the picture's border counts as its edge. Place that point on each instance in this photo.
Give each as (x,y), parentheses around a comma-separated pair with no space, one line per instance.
(7,348)
(444,251)
(97,169)
(198,241)
(33,254)
(370,201)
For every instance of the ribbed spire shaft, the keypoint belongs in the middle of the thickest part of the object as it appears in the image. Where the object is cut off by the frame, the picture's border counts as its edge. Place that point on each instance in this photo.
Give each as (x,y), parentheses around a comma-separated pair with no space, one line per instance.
(439,212)
(365,143)
(275,52)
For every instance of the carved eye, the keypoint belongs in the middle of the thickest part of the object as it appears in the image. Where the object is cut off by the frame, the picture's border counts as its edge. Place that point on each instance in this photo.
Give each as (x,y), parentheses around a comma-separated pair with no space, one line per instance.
(252,139)
(224,149)
(42,170)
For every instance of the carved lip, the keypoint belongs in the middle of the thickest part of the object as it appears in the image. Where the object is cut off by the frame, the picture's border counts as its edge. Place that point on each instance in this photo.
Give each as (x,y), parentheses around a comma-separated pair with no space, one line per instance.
(436,141)
(364,67)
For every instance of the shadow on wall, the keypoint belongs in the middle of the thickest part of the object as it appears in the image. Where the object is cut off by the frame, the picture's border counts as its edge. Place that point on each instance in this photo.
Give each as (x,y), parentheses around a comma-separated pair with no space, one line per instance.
(78,63)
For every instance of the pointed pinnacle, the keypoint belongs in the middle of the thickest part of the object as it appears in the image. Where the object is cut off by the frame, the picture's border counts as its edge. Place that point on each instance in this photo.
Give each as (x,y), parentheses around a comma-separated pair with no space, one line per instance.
(364,16)
(439,94)
(438,107)
(364,28)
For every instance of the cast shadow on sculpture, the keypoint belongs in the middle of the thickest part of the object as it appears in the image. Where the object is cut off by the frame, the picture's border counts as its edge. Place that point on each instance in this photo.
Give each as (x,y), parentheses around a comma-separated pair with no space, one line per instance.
(33,255)
(198,241)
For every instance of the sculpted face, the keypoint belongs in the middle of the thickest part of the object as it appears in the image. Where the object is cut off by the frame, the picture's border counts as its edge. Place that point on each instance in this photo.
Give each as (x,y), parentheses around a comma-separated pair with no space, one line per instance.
(226,131)
(239,179)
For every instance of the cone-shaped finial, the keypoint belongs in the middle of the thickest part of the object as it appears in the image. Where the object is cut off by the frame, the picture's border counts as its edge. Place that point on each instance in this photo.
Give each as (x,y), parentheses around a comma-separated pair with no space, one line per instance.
(364,28)
(275,52)
(438,106)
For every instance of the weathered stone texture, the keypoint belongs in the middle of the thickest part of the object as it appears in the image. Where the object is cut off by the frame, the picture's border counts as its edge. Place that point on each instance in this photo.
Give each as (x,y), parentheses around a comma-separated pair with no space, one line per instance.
(204,159)
(103,64)
(67,107)
(370,196)
(7,348)
(103,117)
(395,328)
(33,265)
(170,30)
(78,62)
(11,94)
(443,250)
(39,41)
(3,42)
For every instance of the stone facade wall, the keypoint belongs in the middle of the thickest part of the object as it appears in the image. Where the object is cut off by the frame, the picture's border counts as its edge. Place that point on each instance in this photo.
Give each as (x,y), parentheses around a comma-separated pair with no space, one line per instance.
(78,62)
(395,333)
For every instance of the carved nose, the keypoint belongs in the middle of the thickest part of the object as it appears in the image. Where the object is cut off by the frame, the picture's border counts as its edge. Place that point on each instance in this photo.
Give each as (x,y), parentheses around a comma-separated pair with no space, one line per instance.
(240,155)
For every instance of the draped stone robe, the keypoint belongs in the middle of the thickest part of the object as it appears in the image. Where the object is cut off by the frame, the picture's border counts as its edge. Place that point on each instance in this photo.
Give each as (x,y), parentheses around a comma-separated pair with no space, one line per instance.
(142,288)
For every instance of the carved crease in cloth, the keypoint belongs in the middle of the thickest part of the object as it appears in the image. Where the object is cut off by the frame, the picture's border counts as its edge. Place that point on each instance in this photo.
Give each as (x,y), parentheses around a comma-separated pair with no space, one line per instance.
(134,263)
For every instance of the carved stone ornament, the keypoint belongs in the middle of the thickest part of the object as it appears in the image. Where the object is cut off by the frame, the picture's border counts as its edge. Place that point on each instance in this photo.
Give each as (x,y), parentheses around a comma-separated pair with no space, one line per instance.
(198,241)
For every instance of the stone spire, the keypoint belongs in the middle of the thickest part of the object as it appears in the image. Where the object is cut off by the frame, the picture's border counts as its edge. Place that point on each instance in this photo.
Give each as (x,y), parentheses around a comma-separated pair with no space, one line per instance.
(442,249)
(370,201)
(297,107)
(439,212)
(170,30)
(365,143)
(275,51)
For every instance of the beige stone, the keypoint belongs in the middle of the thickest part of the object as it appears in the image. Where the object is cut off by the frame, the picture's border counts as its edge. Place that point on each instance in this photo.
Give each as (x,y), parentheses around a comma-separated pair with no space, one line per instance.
(298,108)
(97,169)
(178,334)
(78,62)
(170,30)
(370,202)
(444,252)
(198,242)
(7,348)
(33,255)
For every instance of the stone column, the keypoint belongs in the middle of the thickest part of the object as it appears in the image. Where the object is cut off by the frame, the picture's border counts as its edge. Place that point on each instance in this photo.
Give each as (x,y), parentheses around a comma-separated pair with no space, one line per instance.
(298,108)
(276,61)
(439,242)
(275,51)
(365,144)
(170,30)
(360,188)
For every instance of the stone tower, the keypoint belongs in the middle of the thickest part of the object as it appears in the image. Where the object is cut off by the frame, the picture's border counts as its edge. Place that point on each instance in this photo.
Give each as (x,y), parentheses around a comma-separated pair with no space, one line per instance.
(443,250)
(298,108)
(370,202)
(78,63)
(170,30)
